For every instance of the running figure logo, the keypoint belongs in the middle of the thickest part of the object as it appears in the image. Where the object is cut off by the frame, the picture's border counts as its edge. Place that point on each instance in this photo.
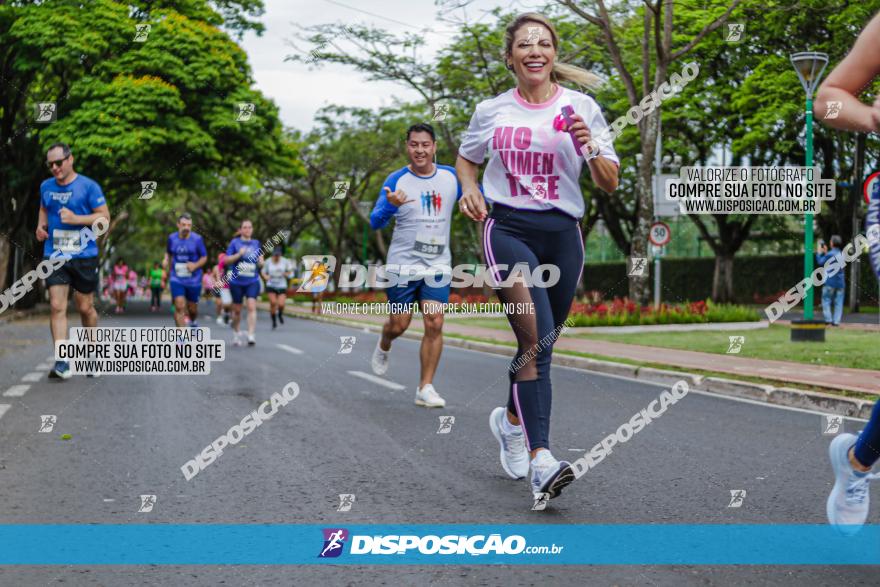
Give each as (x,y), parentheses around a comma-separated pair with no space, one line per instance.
(245,111)
(737,496)
(141,32)
(637,266)
(539,192)
(148,188)
(534,35)
(832,109)
(346,345)
(734,32)
(147,503)
(431,203)
(334,540)
(47,423)
(319,268)
(736,344)
(441,109)
(446,423)
(45,112)
(340,189)
(541,500)
(831,424)
(346,500)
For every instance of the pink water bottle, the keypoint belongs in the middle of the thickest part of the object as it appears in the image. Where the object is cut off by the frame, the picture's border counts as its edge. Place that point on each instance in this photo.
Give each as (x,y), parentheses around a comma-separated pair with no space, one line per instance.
(567,112)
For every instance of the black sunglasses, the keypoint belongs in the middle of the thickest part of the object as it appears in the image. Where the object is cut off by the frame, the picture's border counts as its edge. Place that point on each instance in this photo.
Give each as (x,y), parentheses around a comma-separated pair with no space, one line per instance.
(59,162)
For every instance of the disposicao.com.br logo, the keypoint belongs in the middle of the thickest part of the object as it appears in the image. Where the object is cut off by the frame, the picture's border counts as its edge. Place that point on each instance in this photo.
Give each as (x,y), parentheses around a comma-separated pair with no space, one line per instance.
(477,545)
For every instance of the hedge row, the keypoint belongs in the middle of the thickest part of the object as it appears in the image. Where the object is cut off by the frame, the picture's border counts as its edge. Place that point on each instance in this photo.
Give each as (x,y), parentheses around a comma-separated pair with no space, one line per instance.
(687,279)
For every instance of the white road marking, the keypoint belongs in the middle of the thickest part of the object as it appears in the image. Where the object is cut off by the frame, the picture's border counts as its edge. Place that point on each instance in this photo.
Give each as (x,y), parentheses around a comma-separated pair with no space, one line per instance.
(378,380)
(33,377)
(109,500)
(289,349)
(44,366)
(16,391)
(3,408)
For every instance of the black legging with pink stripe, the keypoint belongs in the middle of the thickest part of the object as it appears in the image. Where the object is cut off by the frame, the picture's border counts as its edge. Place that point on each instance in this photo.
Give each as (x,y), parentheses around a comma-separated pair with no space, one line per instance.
(534,238)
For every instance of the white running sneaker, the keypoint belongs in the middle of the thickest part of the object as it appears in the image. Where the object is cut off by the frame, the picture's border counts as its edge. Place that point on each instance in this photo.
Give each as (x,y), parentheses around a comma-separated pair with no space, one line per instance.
(251,340)
(427,396)
(849,501)
(236,338)
(379,362)
(514,456)
(220,320)
(549,475)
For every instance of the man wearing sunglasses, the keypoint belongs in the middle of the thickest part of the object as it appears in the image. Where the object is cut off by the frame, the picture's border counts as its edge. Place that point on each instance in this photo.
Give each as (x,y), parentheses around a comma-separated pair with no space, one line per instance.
(69,203)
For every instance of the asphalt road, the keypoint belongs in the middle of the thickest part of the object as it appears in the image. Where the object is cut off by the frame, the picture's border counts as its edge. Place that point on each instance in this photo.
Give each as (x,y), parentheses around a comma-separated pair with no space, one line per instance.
(346,434)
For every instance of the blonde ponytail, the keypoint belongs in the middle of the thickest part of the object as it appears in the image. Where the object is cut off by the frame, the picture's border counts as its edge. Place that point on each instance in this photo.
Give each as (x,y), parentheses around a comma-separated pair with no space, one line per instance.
(565,72)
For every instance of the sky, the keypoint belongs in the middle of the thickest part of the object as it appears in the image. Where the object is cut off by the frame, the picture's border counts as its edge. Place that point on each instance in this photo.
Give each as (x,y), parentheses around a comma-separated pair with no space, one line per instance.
(300,92)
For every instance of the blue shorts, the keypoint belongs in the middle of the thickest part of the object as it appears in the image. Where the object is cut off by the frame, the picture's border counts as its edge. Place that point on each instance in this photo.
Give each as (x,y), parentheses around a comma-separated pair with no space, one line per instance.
(239,292)
(416,289)
(190,292)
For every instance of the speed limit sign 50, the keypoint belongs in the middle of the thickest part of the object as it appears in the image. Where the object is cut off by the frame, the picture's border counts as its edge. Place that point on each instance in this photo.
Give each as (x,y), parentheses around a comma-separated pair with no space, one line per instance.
(660,234)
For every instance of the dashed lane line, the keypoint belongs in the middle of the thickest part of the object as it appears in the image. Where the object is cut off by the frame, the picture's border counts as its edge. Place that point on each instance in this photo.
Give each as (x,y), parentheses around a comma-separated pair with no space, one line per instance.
(378,380)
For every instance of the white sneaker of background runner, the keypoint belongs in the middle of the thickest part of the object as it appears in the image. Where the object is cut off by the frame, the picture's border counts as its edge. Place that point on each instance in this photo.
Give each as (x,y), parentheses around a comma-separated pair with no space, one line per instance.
(379,361)
(427,396)
(236,338)
(251,340)
(848,504)
(514,456)
(220,320)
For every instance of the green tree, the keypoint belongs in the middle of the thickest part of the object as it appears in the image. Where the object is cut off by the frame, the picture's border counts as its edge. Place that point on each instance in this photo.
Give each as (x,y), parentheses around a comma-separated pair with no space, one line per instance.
(162,106)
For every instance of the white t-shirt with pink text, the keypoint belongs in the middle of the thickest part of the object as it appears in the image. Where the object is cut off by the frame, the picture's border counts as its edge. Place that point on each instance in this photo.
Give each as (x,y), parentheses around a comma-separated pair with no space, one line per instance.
(531,164)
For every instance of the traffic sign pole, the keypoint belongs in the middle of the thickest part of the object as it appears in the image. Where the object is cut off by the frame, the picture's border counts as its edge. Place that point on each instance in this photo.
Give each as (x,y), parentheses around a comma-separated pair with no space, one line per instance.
(659,236)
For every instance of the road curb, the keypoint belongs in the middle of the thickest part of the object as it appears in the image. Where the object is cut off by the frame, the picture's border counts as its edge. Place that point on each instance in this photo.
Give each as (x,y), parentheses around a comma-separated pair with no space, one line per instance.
(783,396)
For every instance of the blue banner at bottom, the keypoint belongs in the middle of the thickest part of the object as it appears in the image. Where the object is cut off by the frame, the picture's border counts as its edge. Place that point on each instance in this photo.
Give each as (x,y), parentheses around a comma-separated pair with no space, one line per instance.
(429,544)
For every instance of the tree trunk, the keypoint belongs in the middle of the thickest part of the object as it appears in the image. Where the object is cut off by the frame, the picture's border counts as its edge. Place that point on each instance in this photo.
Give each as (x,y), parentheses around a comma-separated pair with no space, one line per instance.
(722,279)
(639,285)
(5,258)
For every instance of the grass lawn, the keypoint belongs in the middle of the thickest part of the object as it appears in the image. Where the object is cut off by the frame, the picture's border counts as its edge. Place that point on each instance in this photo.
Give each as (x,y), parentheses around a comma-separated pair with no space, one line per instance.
(842,348)
(499,323)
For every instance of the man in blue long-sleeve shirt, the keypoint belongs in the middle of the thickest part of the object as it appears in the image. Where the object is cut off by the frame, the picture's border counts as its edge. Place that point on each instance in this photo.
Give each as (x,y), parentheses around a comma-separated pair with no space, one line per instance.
(421,197)
(835,285)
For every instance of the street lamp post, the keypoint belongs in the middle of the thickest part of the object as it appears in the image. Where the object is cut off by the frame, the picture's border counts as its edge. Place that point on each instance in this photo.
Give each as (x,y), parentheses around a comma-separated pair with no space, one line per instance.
(809,65)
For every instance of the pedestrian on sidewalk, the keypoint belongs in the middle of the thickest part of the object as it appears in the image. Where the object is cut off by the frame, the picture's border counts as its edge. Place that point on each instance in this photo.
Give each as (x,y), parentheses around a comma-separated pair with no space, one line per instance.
(835,285)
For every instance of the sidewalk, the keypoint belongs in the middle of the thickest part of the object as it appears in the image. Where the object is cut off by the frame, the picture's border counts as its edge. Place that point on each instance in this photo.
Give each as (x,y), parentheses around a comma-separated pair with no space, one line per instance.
(857,321)
(841,378)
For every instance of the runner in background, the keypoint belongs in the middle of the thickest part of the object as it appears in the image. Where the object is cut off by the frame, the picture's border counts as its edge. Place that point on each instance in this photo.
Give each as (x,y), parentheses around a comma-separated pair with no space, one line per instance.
(421,197)
(222,297)
(208,288)
(533,181)
(853,456)
(185,255)
(157,278)
(244,258)
(132,280)
(70,204)
(277,271)
(119,279)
